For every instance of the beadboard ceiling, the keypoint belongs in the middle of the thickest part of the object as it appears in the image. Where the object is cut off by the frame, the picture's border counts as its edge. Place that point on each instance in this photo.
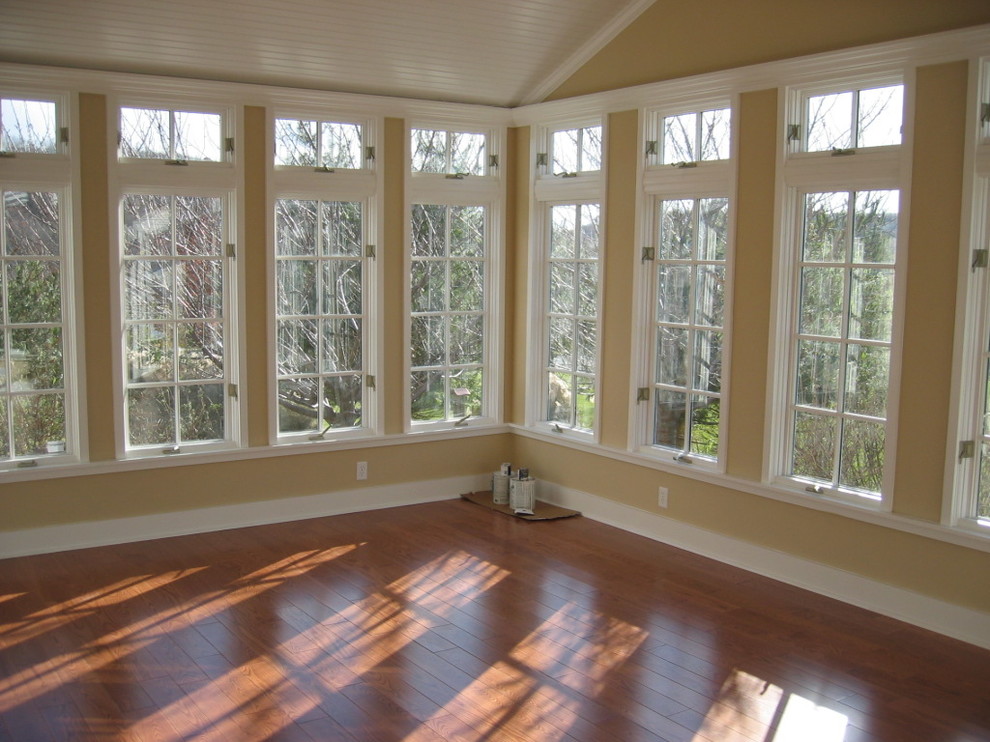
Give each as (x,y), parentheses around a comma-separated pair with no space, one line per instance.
(496,52)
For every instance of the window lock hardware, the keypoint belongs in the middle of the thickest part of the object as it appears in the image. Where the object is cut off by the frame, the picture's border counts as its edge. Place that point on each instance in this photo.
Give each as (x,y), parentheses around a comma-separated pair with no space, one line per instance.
(649,253)
(643,394)
(462,423)
(369,251)
(683,458)
(566,175)
(980,259)
(793,132)
(323,169)
(170,450)
(8,154)
(321,435)
(815,489)
(684,165)
(985,113)
(651,148)
(177,163)
(63,134)
(228,144)
(232,390)
(456,176)
(369,381)
(30,463)
(231,250)
(541,159)
(369,153)
(493,161)
(557,429)
(840,152)
(967,450)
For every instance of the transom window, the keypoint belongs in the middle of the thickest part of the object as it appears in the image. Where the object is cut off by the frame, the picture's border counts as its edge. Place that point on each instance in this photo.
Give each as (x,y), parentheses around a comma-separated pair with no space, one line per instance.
(320,315)
(696,136)
(689,317)
(840,364)
(28,126)
(175,298)
(449,152)
(33,384)
(449,320)
(576,150)
(870,117)
(319,144)
(172,135)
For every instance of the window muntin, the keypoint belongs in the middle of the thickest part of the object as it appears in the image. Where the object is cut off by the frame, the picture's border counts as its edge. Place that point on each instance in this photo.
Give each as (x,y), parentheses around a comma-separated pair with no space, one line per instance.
(449,152)
(868,117)
(449,322)
(33,371)
(572,301)
(689,320)
(320,315)
(841,341)
(173,135)
(29,126)
(576,150)
(319,144)
(696,136)
(175,301)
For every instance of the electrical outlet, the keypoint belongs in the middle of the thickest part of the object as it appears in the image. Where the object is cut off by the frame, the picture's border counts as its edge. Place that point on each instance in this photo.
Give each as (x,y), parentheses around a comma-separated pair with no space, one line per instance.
(662,496)
(362,470)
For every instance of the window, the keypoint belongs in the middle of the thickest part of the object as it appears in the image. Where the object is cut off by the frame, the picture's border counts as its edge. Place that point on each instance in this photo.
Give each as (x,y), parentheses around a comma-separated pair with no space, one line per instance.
(453,246)
(29,126)
(683,292)
(320,300)
(320,144)
(572,273)
(34,407)
(689,313)
(848,119)
(449,152)
(172,135)
(576,150)
(838,286)
(175,278)
(696,137)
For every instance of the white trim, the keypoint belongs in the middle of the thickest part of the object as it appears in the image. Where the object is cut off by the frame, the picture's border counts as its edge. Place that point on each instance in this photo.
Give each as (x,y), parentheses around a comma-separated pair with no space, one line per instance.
(50,539)
(929,613)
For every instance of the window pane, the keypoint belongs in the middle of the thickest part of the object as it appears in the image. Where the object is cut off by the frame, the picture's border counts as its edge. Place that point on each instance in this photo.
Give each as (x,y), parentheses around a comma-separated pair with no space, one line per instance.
(672,352)
(342,345)
(199,289)
(31,223)
(871,303)
(466,339)
(295,227)
(295,142)
(590,234)
(145,133)
(428,341)
(298,345)
(34,291)
(880,114)
(560,398)
(198,225)
(465,392)
(428,286)
(201,412)
(818,374)
(713,228)
(342,287)
(679,138)
(588,289)
(861,461)
(565,151)
(342,401)
(705,425)
(467,286)
(562,288)
(429,230)
(467,153)
(151,415)
(296,287)
(830,122)
(28,126)
(429,151)
(198,136)
(148,352)
(676,230)
(298,407)
(821,301)
(562,341)
(814,446)
(147,225)
(673,293)
(715,131)
(668,425)
(587,347)
(867,374)
(39,424)
(467,231)
(825,227)
(591,148)
(200,350)
(428,395)
(341,145)
(707,361)
(875,227)
(710,296)
(563,226)
(36,358)
(585,402)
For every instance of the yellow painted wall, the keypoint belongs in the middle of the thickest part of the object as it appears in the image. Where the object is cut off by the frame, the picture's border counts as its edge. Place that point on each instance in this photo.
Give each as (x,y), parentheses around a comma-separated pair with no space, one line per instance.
(673,39)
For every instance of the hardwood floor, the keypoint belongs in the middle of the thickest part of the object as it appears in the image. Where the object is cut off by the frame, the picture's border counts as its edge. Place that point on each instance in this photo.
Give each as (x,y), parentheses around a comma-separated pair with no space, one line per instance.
(447,621)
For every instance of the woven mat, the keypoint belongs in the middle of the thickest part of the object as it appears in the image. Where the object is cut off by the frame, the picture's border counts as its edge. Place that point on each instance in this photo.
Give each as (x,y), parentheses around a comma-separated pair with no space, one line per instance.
(542,510)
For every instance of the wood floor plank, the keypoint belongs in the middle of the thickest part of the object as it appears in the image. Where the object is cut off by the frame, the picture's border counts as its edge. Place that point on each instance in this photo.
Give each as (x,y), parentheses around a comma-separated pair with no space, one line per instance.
(447,622)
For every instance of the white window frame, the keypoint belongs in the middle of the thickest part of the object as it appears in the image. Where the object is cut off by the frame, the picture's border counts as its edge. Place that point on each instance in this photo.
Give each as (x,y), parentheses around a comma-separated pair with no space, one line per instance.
(677,181)
(959,502)
(222,179)
(57,172)
(362,185)
(799,173)
(450,189)
(549,190)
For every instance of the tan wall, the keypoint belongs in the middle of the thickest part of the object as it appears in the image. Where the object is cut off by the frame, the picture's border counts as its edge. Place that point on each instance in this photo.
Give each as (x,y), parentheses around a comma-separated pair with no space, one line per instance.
(676,39)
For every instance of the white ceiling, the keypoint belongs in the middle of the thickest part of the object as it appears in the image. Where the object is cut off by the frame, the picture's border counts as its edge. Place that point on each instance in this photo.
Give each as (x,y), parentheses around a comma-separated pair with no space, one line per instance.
(496,52)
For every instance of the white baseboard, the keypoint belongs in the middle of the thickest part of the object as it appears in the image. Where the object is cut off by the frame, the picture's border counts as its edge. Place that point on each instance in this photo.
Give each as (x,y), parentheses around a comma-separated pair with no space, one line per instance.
(142,528)
(944,618)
